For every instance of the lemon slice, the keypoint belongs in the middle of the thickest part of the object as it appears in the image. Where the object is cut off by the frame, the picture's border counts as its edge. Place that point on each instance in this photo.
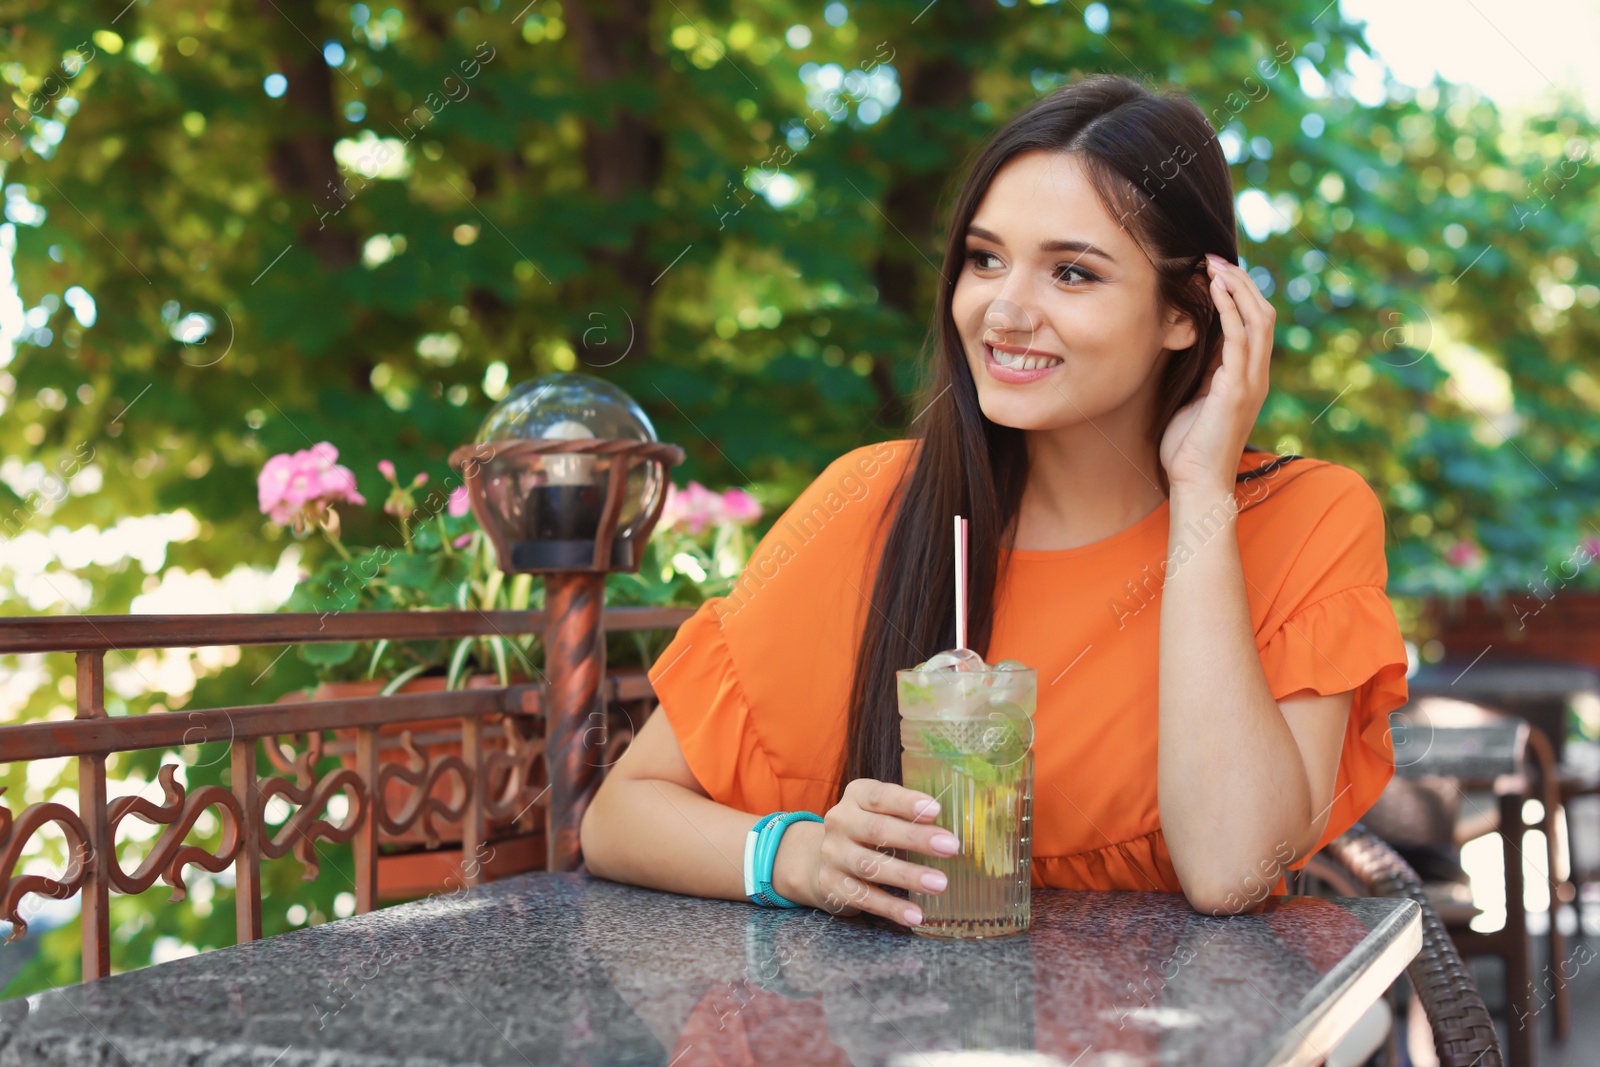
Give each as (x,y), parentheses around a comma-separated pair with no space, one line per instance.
(989,844)
(980,826)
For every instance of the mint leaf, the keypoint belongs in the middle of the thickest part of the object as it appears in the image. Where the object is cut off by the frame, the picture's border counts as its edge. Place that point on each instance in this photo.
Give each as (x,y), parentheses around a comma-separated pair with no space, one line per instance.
(912,693)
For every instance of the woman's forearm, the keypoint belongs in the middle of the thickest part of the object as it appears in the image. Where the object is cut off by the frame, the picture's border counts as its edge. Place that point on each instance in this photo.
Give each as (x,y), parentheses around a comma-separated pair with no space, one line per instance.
(1232,786)
(656,833)
(651,824)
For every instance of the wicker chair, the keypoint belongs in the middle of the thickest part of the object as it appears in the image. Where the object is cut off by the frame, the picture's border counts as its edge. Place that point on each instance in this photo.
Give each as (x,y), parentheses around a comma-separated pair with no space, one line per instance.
(1359,863)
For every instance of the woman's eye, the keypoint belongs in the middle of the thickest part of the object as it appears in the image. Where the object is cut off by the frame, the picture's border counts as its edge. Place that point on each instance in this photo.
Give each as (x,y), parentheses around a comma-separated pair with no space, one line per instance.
(1068,269)
(980,258)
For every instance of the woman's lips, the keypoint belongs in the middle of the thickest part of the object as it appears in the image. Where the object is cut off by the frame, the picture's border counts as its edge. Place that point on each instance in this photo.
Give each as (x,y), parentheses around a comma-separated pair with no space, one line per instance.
(1016,375)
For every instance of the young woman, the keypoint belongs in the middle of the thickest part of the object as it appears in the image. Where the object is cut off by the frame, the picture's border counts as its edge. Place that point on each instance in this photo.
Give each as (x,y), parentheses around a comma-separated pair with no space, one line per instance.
(1215,651)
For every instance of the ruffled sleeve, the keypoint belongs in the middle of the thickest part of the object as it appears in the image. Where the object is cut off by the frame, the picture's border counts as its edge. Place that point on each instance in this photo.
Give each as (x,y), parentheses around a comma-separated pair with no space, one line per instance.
(701,695)
(756,683)
(1331,629)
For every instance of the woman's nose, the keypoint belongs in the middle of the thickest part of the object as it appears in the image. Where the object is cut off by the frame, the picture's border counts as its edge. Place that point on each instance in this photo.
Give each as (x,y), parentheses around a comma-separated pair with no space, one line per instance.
(1005,319)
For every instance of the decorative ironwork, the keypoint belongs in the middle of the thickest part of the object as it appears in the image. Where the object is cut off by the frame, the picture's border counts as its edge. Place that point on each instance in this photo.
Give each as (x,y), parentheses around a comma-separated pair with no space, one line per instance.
(169,855)
(514,779)
(310,795)
(286,757)
(14,835)
(421,807)
(500,788)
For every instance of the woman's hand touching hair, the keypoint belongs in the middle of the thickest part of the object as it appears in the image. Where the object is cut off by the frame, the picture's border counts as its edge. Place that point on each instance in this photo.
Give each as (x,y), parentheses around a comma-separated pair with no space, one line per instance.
(1201,446)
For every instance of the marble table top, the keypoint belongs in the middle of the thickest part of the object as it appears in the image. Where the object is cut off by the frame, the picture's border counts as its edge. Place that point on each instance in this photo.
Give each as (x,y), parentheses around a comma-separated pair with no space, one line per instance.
(569,969)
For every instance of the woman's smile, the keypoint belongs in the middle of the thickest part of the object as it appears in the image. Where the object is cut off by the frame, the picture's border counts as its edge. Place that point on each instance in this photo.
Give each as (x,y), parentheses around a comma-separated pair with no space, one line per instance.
(1018,364)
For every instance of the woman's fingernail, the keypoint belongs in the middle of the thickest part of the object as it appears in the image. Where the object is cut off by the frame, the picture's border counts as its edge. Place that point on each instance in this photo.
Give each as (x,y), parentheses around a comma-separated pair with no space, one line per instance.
(927,807)
(945,843)
(934,882)
(913,916)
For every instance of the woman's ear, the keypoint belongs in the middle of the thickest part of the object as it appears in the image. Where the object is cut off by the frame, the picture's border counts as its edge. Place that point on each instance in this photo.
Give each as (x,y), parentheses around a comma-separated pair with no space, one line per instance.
(1181,330)
(1181,335)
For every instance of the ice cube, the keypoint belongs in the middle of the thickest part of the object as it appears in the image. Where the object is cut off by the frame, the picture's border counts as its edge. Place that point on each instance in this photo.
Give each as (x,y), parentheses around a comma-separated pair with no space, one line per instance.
(956,659)
(975,702)
(999,675)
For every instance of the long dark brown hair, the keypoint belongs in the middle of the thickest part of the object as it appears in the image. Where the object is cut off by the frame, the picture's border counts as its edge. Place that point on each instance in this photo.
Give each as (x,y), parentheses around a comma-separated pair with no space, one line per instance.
(1154,162)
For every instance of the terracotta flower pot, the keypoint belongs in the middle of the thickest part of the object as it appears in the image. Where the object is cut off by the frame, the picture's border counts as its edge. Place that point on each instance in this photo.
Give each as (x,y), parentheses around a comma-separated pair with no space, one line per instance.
(431,741)
(411,864)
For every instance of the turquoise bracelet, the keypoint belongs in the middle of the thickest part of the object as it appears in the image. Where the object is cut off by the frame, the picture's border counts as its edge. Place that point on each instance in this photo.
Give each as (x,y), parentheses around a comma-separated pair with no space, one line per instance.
(760,852)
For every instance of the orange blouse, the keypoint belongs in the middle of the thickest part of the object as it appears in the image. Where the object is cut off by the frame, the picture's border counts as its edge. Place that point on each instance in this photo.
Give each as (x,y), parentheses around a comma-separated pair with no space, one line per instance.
(756,683)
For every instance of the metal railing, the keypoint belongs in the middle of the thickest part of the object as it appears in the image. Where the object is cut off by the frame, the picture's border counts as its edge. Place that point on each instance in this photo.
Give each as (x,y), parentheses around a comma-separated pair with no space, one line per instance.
(556,736)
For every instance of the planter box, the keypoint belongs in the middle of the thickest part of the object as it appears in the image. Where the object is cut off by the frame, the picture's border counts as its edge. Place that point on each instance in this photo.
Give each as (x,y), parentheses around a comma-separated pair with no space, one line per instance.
(1537,658)
(1562,628)
(430,739)
(415,862)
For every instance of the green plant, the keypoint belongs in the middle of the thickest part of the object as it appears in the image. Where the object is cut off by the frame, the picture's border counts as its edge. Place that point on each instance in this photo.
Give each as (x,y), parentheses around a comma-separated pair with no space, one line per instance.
(692,555)
(444,561)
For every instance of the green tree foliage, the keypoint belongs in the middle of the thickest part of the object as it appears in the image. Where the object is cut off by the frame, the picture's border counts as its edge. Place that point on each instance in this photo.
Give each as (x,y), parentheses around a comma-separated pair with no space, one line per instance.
(593,187)
(305,220)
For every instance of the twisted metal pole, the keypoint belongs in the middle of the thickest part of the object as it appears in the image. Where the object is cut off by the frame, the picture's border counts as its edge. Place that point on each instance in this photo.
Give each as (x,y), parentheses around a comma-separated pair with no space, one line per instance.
(575,718)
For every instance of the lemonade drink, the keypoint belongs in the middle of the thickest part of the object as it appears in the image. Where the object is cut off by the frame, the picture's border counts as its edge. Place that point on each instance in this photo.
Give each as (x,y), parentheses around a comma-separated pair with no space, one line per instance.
(966,733)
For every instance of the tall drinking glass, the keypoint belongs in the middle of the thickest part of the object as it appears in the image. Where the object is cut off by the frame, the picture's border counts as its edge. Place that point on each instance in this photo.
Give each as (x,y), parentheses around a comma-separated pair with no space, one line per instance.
(967,741)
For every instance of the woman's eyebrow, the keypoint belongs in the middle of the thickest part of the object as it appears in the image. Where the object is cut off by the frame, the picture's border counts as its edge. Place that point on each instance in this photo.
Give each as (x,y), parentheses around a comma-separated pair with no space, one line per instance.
(1056,245)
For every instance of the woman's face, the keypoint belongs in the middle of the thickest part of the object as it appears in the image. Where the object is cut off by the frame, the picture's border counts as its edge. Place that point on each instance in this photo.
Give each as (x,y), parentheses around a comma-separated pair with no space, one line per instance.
(1067,300)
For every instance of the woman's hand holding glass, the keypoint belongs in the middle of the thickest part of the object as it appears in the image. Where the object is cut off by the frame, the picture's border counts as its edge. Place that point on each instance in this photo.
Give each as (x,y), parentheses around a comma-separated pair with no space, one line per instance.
(839,863)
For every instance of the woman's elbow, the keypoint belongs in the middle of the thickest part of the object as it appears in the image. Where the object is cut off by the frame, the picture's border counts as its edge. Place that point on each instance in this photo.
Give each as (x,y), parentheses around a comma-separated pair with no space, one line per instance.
(1211,902)
(593,835)
(1225,889)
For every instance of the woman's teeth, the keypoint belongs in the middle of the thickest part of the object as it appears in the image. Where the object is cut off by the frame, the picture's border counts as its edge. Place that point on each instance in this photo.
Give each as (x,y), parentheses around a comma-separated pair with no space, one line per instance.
(1020,362)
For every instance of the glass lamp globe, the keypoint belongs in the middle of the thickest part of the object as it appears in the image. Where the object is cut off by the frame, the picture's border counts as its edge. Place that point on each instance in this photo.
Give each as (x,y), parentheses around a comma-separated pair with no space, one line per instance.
(566,474)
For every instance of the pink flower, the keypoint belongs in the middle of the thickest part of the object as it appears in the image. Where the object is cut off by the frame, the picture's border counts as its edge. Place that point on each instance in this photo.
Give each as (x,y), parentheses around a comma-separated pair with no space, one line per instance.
(694,507)
(420,480)
(460,501)
(386,468)
(296,487)
(1463,554)
(740,507)
(463,541)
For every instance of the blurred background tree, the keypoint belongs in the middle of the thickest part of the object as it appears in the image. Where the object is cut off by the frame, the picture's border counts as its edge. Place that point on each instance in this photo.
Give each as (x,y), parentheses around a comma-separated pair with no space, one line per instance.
(240,228)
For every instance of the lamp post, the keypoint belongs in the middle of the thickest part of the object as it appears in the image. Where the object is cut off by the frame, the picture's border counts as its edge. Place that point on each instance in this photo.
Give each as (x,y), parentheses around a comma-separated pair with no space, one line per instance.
(567,479)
